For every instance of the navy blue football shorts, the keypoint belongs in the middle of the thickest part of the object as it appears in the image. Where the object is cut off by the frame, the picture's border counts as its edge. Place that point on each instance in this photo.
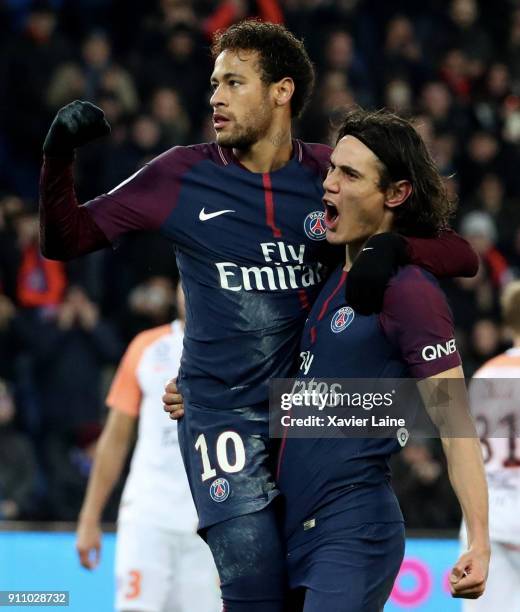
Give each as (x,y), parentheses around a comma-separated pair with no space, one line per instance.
(343,568)
(229,461)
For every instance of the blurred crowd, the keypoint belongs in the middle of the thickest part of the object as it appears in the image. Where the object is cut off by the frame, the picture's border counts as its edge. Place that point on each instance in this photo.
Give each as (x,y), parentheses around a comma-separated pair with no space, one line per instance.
(452,65)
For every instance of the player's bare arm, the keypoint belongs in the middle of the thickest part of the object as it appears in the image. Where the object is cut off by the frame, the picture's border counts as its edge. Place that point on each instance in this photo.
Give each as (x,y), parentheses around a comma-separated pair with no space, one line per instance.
(467,476)
(111,452)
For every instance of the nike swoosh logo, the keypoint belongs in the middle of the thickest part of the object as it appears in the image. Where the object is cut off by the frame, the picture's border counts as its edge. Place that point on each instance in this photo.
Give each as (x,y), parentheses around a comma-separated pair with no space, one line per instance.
(204,216)
(367,249)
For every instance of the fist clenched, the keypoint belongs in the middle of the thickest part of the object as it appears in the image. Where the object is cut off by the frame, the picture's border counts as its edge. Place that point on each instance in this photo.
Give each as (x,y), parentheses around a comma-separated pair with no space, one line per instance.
(75,125)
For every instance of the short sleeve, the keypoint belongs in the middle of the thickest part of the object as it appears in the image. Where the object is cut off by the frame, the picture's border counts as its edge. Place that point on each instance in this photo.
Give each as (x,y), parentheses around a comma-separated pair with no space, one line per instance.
(417,319)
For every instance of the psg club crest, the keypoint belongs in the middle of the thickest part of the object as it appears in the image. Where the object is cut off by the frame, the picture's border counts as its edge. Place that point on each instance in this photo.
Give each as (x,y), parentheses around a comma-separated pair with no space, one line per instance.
(342,319)
(314,225)
(219,490)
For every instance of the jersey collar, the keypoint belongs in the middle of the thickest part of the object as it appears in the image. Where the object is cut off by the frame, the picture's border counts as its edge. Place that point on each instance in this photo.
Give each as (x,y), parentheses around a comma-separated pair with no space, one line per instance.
(227,156)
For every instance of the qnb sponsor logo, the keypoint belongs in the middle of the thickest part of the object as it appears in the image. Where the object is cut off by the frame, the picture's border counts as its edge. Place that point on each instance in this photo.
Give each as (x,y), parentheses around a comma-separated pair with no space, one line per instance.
(285,269)
(435,351)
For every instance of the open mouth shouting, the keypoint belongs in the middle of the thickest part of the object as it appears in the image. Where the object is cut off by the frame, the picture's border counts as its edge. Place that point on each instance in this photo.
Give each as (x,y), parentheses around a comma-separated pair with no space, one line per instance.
(331,214)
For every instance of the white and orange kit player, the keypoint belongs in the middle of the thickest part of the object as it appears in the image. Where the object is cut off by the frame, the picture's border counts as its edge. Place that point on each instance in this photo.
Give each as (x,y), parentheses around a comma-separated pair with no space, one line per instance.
(161,563)
(495,404)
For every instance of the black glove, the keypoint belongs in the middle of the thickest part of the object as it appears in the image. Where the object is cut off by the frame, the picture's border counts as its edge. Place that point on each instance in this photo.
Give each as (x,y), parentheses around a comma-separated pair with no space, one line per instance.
(75,125)
(372,269)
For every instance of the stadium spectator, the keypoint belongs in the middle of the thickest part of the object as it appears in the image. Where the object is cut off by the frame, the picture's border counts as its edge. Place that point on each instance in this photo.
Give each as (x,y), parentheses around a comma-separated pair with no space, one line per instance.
(484,343)
(69,456)
(182,64)
(14,338)
(402,53)
(40,282)
(398,96)
(437,102)
(69,352)
(141,141)
(425,496)
(341,57)
(485,153)
(229,12)
(467,33)
(479,229)
(17,464)
(514,45)
(168,110)
(151,34)
(490,197)
(443,150)
(332,97)
(150,304)
(10,207)
(97,74)
(29,60)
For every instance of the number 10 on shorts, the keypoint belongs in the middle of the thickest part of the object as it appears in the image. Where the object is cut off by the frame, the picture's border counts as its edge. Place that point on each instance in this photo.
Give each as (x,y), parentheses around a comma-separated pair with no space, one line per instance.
(225,438)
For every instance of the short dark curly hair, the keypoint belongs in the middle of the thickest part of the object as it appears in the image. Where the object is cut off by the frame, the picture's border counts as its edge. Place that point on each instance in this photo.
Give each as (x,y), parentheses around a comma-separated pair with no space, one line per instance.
(281,55)
(403,156)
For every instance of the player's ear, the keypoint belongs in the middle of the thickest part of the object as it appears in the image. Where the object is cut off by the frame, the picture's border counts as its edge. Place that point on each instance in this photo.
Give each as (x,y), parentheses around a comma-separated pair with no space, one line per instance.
(397,193)
(283,91)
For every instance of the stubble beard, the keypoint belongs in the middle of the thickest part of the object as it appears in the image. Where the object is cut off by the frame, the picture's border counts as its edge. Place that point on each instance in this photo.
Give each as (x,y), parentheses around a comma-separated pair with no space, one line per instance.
(243,137)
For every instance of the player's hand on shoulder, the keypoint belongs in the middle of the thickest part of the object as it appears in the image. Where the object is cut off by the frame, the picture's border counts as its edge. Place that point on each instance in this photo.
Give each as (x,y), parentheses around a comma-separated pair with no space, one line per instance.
(173,400)
(372,270)
(75,124)
(468,576)
(88,543)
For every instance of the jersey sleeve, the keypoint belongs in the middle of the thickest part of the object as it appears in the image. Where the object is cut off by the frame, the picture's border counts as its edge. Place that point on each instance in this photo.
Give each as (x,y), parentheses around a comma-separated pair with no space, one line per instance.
(147,198)
(417,319)
(125,393)
(66,228)
(446,256)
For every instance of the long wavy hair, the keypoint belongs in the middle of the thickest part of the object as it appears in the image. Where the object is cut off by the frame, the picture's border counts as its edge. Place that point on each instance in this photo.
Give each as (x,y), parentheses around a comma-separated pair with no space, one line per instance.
(403,156)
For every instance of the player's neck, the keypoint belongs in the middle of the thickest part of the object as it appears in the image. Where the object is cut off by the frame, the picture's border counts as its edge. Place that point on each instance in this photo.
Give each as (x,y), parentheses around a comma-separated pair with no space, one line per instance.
(268,154)
(351,252)
(516,341)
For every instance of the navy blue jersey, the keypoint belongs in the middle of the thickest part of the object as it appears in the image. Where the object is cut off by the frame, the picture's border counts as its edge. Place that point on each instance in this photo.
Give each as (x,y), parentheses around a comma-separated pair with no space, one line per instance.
(250,249)
(337,342)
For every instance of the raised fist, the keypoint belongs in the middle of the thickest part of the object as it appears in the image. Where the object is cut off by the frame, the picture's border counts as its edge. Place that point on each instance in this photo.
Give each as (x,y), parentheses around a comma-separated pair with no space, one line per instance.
(75,125)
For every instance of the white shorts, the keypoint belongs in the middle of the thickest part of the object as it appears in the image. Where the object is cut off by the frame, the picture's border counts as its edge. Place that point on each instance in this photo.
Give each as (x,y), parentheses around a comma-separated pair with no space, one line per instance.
(158,570)
(503,584)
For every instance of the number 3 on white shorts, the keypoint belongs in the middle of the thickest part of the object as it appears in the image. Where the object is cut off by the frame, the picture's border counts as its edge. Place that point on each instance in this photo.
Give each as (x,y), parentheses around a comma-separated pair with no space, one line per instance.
(222,454)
